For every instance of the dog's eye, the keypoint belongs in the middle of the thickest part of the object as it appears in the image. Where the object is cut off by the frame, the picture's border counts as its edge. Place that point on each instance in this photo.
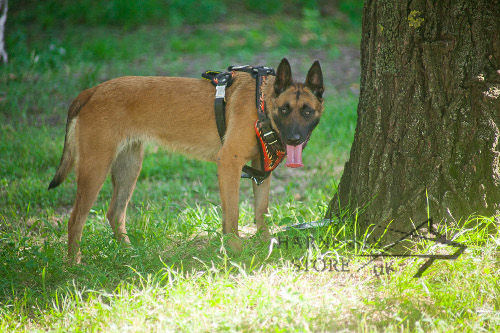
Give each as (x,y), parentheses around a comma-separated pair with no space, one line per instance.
(284,110)
(307,111)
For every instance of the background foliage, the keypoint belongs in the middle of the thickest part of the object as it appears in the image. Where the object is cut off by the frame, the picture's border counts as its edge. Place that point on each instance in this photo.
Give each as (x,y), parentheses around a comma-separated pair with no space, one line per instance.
(129,13)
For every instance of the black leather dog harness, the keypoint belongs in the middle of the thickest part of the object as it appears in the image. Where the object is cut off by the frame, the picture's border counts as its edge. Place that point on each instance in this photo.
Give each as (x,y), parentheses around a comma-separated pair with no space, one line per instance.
(271,148)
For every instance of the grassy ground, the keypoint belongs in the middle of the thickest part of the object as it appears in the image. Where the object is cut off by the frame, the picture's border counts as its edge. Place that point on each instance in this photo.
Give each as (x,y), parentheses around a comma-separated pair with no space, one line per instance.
(178,274)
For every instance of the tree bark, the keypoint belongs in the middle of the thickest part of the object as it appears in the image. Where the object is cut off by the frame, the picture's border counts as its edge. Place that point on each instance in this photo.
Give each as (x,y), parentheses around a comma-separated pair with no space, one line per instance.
(428,114)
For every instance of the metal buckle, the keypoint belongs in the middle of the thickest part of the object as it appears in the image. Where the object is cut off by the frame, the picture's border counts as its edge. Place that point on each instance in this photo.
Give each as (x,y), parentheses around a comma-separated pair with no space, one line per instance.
(220,91)
(268,133)
(258,182)
(254,179)
(272,139)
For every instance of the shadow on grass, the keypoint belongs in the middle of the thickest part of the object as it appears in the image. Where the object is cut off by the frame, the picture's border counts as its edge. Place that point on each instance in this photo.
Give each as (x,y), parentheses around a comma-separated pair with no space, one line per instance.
(34,271)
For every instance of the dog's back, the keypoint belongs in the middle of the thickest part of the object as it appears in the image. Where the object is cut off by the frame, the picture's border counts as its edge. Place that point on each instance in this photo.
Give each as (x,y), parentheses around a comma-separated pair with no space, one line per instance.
(176,112)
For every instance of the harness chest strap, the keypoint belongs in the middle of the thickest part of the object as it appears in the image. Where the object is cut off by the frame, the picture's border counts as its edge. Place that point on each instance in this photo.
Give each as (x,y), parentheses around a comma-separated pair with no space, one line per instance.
(271,148)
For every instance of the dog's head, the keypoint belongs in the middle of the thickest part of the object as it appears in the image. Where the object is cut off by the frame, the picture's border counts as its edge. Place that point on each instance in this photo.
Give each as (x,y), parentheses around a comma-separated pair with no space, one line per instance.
(297,108)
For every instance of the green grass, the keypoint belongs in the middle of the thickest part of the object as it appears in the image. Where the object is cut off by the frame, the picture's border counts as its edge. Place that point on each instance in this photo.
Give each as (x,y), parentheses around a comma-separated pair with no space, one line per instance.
(178,276)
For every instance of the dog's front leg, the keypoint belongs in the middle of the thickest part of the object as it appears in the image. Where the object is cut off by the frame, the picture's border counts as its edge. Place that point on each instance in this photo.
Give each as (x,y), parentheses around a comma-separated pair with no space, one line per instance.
(261,202)
(229,167)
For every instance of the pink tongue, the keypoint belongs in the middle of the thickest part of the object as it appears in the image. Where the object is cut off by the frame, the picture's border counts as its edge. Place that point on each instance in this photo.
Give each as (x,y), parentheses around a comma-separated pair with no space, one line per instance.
(294,156)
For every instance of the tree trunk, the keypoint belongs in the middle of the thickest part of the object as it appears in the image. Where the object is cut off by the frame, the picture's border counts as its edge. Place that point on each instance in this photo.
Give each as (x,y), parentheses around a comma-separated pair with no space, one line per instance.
(428,114)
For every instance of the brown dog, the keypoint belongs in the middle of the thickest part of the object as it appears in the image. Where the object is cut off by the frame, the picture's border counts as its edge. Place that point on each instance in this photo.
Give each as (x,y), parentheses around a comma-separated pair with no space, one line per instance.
(108,124)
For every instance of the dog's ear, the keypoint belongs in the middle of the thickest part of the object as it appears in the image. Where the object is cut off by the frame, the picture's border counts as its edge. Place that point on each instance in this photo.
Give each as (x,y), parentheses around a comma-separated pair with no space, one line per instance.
(314,80)
(283,77)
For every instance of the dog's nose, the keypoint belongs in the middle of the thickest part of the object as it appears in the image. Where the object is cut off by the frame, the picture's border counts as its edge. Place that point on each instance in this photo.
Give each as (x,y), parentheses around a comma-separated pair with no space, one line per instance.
(293,139)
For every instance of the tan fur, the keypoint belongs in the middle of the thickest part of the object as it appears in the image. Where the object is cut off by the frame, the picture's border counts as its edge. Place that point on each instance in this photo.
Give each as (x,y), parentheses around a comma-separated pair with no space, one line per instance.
(108,125)
(69,153)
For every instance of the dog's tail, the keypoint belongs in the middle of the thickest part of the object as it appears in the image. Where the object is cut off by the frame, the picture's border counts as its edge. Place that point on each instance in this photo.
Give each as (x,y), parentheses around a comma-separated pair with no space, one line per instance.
(69,152)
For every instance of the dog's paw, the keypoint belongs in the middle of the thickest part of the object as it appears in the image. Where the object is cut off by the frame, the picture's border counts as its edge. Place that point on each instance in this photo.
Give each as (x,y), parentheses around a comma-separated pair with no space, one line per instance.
(263,234)
(74,258)
(235,243)
(123,240)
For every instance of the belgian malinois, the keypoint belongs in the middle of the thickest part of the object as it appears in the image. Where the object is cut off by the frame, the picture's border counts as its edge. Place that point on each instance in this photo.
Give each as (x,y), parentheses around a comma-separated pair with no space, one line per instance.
(108,125)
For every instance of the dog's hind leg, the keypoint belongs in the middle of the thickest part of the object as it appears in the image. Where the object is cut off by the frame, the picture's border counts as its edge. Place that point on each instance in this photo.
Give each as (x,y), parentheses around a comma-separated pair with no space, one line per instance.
(124,173)
(91,173)
(261,202)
